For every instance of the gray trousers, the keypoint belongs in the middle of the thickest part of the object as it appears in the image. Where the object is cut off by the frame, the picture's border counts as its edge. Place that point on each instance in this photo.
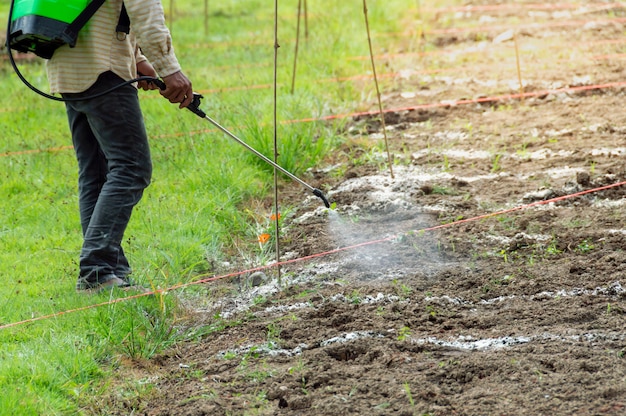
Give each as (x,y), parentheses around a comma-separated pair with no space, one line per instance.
(114,168)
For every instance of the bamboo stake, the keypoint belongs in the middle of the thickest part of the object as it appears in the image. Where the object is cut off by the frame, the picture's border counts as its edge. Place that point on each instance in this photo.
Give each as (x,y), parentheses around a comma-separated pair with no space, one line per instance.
(295,54)
(519,69)
(171,24)
(306,21)
(421,32)
(380,104)
(276,207)
(206,18)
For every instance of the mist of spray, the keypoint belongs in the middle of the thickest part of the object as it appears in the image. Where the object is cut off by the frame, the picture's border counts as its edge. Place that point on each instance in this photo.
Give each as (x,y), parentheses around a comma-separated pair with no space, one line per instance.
(381,245)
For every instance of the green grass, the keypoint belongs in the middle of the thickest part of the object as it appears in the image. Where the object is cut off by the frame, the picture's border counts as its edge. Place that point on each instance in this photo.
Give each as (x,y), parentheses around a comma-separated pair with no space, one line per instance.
(201,205)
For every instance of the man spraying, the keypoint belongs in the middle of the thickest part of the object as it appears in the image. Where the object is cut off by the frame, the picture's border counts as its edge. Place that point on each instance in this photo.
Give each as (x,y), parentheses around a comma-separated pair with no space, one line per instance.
(108,132)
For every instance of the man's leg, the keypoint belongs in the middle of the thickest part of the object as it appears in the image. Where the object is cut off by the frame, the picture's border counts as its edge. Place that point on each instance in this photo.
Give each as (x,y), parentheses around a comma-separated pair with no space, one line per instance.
(116,123)
(92,165)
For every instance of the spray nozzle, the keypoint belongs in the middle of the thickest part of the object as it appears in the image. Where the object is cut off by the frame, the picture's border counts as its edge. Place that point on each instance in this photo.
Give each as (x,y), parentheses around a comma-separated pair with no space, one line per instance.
(320,195)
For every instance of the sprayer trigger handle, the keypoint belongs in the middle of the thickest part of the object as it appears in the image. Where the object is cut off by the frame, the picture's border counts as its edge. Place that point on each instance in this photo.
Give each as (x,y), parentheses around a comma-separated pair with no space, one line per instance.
(194,107)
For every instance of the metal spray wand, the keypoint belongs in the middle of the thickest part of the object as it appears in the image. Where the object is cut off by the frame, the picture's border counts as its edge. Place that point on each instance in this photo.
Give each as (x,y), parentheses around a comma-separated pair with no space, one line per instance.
(194,107)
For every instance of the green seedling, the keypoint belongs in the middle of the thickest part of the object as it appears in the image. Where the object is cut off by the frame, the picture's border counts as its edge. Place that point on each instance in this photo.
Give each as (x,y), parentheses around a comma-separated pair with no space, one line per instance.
(585,247)
(552,248)
(407,390)
(402,289)
(446,164)
(273,334)
(404,333)
(495,163)
(355,297)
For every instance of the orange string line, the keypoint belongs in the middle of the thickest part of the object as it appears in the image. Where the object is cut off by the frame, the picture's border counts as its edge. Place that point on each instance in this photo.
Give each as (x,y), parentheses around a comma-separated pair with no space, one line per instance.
(450,103)
(313,256)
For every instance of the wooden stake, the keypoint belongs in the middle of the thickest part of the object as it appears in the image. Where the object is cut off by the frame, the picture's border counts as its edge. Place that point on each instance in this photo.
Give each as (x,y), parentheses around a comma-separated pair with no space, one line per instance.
(519,69)
(306,21)
(276,206)
(295,54)
(206,18)
(380,104)
(420,15)
(171,24)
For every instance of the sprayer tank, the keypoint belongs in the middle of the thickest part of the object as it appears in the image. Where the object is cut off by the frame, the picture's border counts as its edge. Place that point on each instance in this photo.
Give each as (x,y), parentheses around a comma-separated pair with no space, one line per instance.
(39,26)
(62,10)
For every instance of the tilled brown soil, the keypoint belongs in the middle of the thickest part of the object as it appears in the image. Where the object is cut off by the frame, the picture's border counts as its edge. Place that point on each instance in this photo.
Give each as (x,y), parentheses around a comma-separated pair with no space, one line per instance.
(437,305)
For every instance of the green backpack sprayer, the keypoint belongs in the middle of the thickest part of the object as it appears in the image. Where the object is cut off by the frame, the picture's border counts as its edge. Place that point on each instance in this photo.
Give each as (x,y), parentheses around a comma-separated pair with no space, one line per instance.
(42,26)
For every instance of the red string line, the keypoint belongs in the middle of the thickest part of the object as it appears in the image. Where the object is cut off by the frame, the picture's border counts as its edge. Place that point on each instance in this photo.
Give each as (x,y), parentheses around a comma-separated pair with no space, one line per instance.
(425,53)
(477,52)
(499,28)
(35,151)
(526,6)
(453,103)
(313,256)
(450,103)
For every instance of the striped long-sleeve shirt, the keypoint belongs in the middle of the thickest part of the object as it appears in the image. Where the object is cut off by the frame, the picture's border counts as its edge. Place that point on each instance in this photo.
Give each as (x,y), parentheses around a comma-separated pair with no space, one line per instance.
(99,48)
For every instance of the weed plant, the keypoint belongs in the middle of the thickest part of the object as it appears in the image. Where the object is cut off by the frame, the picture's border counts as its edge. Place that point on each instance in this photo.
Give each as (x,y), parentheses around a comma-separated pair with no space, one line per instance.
(194,210)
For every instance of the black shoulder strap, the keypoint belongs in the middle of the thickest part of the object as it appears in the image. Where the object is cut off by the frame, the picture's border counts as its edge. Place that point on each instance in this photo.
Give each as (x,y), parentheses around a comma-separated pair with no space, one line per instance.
(71,32)
(123,24)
